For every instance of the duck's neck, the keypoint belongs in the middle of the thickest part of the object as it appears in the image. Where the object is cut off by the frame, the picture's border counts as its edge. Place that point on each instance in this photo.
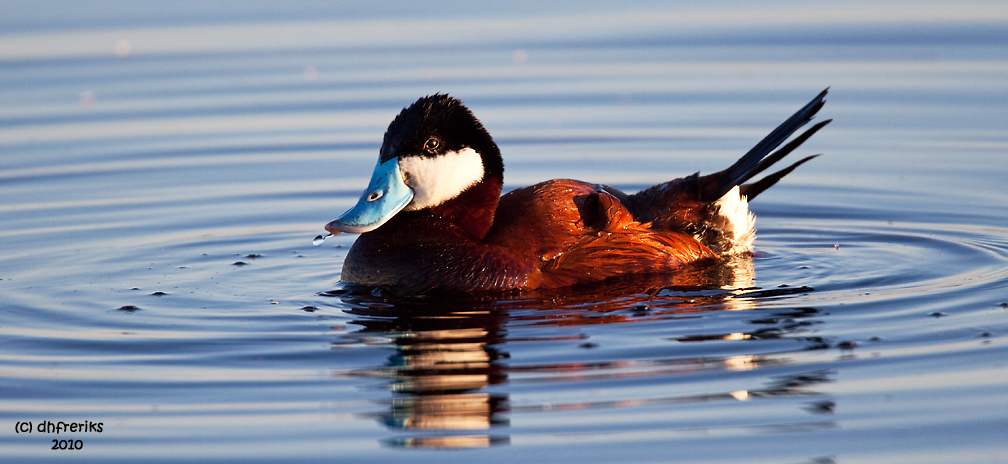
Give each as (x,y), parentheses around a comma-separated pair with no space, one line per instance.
(470,214)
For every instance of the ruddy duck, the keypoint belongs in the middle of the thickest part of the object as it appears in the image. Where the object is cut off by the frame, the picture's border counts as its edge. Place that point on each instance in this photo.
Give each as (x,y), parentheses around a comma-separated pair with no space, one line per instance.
(432,217)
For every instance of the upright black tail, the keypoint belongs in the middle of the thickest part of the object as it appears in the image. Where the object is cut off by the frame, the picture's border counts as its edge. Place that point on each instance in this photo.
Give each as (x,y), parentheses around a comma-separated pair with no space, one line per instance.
(715,186)
(687,204)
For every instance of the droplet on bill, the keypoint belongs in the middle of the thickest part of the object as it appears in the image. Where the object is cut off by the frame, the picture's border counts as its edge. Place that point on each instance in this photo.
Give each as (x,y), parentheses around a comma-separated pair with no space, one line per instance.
(319,239)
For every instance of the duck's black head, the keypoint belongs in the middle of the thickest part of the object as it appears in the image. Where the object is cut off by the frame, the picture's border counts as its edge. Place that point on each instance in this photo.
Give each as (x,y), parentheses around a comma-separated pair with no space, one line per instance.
(437,125)
(433,151)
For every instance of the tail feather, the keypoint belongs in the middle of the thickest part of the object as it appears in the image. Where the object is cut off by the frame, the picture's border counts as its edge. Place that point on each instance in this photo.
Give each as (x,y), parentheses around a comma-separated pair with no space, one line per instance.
(693,204)
(786,150)
(755,188)
(714,186)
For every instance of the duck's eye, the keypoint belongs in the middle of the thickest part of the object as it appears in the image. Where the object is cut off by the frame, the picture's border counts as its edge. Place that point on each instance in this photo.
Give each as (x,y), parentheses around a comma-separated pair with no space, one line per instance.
(374,195)
(431,144)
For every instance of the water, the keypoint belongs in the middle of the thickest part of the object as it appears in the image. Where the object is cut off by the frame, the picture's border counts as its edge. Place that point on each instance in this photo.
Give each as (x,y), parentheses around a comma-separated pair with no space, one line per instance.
(162,175)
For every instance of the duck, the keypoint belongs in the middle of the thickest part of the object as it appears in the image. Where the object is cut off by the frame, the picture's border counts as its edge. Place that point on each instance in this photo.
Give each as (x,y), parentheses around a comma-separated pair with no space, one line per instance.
(433,219)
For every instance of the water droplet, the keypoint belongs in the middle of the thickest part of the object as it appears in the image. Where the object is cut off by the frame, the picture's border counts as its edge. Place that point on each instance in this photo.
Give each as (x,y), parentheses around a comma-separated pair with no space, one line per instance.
(319,239)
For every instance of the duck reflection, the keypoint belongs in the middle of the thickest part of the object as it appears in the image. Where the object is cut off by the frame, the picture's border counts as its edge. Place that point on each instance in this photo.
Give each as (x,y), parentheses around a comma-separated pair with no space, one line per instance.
(446,354)
(449,351)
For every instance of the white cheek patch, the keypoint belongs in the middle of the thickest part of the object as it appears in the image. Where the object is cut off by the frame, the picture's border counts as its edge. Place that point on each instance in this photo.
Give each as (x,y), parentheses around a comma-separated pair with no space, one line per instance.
(439,179)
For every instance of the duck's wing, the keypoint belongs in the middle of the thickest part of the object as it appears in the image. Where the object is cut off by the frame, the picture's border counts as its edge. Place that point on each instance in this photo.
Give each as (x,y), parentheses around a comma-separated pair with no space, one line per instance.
(614,244)
(570,232)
